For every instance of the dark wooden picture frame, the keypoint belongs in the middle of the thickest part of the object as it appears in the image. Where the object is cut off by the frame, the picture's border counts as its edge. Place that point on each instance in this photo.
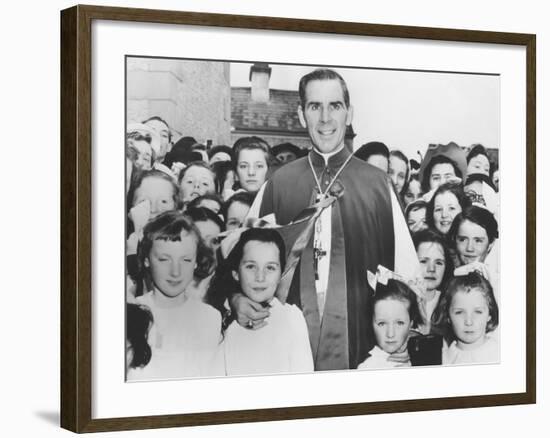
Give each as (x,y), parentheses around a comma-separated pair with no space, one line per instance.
(76,217)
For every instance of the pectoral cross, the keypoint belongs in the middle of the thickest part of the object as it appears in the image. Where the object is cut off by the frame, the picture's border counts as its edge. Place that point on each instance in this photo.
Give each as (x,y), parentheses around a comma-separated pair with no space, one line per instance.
(317,254)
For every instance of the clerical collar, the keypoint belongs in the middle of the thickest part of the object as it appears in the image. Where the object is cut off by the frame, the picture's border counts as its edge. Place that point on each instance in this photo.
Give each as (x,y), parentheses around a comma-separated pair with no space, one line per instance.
(333,159)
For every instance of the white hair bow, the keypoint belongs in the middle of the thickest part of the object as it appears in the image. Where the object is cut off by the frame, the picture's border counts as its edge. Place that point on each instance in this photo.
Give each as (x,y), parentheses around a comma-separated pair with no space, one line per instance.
(383,275)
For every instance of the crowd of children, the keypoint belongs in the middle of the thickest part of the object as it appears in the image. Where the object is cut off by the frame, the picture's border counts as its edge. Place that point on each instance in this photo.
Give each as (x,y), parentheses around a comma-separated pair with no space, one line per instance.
(184,199)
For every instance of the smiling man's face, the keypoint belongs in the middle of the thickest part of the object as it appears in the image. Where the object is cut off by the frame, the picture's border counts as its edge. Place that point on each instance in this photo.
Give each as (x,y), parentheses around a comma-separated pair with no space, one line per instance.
(325,114)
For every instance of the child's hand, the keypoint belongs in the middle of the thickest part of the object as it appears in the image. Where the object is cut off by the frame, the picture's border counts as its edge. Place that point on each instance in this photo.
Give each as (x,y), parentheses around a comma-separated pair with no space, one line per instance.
(177,167)
(454,180)
(428,195)
(479,267)
(417,226)
(132,243)
(402,359)
(250,314)
(140,214)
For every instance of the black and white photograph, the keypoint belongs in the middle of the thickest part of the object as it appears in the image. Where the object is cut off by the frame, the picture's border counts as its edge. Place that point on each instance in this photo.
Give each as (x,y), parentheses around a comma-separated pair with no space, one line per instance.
(288,219)
(275,219)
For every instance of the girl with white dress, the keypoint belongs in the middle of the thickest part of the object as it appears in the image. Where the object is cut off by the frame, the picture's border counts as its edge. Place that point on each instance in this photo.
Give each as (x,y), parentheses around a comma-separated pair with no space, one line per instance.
(185,335)
(253,268)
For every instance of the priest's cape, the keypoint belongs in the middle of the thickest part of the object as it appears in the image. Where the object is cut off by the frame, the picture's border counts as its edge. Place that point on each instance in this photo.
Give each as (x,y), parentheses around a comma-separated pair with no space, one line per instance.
(362,237)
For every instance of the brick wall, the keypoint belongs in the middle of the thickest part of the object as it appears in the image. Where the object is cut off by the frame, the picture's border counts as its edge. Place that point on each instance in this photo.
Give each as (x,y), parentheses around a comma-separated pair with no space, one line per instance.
(276,120)
(273,140)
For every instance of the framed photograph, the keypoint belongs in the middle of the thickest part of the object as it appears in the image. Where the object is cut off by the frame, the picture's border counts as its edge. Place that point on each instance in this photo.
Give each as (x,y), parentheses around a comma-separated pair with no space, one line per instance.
(341,214)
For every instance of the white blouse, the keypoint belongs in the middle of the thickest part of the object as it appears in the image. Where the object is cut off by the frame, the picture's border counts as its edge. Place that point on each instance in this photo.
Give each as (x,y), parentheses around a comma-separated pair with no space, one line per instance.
(488,352)
(185,341)
(282,346)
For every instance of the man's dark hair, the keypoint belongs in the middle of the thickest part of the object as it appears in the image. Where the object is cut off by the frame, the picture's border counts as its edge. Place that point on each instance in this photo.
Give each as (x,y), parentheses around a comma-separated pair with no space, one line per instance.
(321,74)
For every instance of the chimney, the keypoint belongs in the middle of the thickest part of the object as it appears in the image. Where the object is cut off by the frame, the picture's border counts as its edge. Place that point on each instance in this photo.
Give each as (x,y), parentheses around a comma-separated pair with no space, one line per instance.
(259,78)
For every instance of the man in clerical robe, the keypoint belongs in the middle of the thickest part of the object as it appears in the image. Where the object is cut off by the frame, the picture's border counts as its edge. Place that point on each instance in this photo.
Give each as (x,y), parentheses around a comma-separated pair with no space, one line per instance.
(362,229)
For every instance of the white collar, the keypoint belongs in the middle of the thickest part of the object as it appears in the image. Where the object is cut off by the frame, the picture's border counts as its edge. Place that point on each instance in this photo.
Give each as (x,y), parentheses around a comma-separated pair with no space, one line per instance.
(275,302)
(378,352)
(330,154)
